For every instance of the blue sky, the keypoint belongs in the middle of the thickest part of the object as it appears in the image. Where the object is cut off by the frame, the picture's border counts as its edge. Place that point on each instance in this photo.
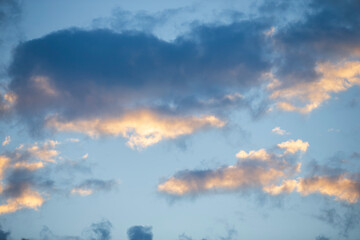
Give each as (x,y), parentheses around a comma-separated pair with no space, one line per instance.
(191,120)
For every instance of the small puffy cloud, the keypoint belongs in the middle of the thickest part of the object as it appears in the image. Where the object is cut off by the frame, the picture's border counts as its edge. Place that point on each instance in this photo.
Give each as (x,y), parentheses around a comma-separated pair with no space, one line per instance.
(141,128)
(279,131)
(91,186)
(259,154)
(140,233)
(292,146)
(6,141)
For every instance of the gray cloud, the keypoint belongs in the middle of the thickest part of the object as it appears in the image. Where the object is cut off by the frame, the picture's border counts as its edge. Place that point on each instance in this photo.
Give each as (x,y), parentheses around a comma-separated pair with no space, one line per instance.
(328,31)
(3,234)
(97,231)
(321,237)
(78,74)
(140,233)
(346,218)
(90,186)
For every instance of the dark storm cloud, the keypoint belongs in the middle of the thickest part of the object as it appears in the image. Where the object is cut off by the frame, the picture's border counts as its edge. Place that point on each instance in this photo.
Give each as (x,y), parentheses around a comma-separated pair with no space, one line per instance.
(140,233)
(328,32)
(80,73)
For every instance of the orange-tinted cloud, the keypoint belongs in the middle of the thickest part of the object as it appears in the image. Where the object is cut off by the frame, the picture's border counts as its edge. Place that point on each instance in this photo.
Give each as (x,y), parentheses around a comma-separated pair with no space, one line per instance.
(141,128)
(27,199)
(255,169)
(304,97)
(341,187)
(292,146)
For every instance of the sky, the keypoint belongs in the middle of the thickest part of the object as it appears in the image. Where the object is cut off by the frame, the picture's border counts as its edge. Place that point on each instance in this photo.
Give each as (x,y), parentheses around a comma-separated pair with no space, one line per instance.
(179,120)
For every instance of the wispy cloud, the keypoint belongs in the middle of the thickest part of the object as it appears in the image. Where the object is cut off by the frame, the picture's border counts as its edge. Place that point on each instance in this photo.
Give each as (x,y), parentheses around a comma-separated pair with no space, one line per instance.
(279,131)
(91,186)
(6,141)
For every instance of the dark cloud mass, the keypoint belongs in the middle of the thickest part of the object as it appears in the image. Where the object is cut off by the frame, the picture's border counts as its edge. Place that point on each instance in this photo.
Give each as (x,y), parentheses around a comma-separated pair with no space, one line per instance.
(3,234)
(78,73)
(328,32)
(140,233)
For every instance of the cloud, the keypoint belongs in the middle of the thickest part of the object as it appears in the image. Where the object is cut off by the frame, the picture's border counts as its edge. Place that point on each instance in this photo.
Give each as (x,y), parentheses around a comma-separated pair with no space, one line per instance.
(140,233)
(321,237)
(292,146)
(4,235)
(21,177)
(6,141)
(264,171)
(10,12)
(46,152)
(279,131)
(101,230)
(73,140)
(259,154)
(254,170)
(101,76)
(342,187)
(334,78)
(26,176)
(315,57)
(97,231)
(91,186)
(27,199)
(345,218)
(142,128)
